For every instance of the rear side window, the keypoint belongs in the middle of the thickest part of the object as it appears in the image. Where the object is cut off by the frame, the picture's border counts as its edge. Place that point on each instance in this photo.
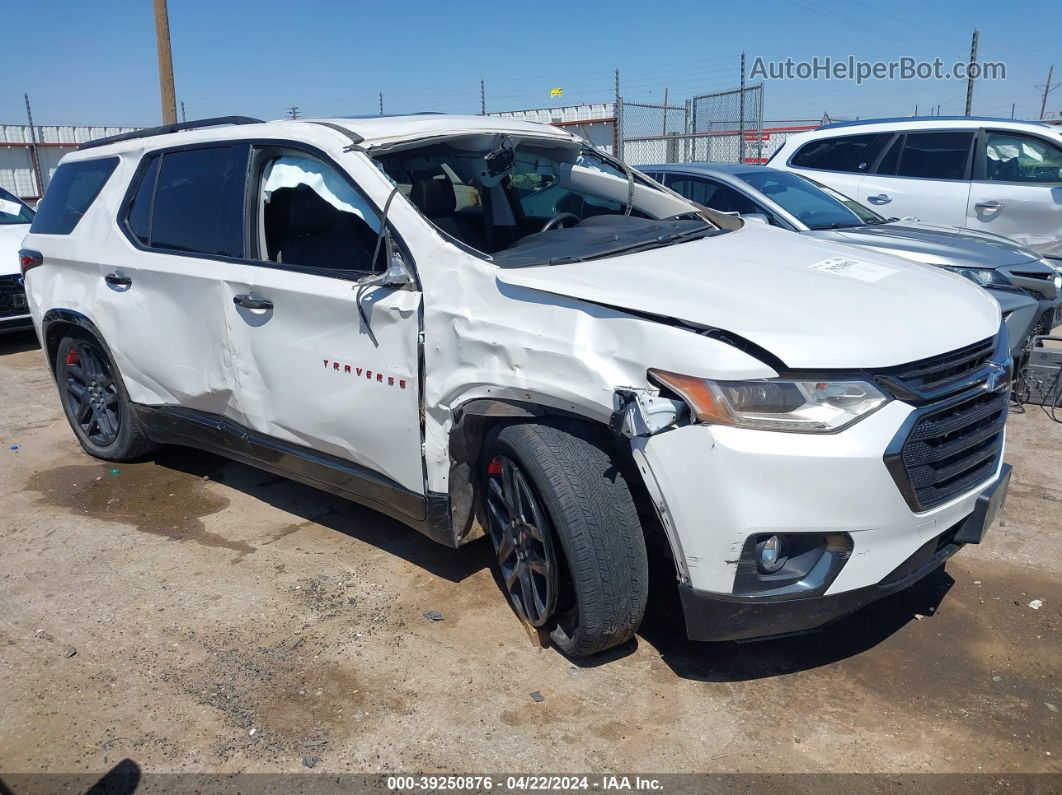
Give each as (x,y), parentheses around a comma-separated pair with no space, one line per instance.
(845,153)
(1012,157)
(929,155)
(73,188)
(191,200)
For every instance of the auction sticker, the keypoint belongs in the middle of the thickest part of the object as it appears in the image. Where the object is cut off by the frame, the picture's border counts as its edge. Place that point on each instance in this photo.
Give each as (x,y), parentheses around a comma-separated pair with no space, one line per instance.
(9,207)
(854,269)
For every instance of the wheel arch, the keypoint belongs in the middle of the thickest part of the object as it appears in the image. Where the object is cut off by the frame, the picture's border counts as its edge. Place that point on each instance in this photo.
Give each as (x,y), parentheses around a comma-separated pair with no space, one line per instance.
(57,323)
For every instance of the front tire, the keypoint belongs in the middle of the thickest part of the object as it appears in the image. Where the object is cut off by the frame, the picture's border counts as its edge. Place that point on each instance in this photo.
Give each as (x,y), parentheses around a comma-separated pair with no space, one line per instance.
(569,544)
(95,401)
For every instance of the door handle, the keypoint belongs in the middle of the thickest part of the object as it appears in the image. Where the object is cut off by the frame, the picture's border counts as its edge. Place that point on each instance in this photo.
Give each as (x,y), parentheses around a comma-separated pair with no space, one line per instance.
(881,198)
(247,302)
(117,280)
(990,205)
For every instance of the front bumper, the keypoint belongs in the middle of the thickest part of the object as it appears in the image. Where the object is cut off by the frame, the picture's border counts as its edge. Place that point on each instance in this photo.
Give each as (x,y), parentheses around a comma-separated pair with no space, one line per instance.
(15,323)
(14,311)
(720,617)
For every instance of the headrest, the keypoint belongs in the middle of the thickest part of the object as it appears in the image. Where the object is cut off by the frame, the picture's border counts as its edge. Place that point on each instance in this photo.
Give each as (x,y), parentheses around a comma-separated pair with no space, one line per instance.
(301,211)
(434,197)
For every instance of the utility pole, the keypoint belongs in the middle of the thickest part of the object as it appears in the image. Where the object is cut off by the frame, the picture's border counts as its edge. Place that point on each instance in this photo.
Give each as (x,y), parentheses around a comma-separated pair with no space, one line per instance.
(916,112)
(741,113)
(482,97)
(33,150)
(1012,104)
(162,36)
(293,112)
(184,117)
(665,112)
(969,71)
(381,103)
(1048,88)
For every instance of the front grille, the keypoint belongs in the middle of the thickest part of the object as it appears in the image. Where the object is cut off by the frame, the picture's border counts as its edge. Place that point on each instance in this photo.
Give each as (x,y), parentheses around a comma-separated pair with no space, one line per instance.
(12,297)
(938,372)
(950,450)
(954,439)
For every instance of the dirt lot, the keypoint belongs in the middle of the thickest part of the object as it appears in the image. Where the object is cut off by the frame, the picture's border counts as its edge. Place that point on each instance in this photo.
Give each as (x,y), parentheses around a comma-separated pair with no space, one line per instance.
(194,614)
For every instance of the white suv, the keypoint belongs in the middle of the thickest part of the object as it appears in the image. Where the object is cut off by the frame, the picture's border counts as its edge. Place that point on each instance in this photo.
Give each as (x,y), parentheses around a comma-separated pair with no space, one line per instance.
(993,175)
(479,325)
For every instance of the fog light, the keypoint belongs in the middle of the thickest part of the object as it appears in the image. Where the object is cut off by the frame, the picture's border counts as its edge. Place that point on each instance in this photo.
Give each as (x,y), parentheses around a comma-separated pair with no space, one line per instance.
(771,557)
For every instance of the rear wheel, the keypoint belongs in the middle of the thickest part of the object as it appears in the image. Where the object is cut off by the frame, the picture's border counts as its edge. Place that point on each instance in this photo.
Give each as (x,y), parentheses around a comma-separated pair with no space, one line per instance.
(95,401)
(569,544)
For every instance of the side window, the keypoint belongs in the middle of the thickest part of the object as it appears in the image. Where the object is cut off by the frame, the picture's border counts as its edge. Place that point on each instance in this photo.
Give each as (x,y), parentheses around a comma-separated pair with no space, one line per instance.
(310,215)
(138,217)
(198,203)
(12,210)
(892,157)
(934,155)
(1012,157)
(843,153)
(73,188)
(713,195)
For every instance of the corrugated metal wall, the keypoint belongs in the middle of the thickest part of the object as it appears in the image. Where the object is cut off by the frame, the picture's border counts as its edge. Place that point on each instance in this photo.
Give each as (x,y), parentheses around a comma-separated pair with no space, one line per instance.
(53,141)
(595,122)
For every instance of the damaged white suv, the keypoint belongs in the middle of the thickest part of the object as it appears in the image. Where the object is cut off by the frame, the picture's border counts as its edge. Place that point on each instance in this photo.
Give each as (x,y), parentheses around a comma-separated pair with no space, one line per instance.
(482,325)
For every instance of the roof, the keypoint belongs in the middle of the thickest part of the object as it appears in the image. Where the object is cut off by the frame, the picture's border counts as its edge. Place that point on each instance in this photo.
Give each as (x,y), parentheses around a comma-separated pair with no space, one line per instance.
(705,168)
(367,131)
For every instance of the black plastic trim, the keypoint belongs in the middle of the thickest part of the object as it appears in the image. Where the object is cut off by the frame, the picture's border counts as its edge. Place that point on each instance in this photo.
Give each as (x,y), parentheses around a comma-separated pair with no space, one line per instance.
(166,129)
(429,514)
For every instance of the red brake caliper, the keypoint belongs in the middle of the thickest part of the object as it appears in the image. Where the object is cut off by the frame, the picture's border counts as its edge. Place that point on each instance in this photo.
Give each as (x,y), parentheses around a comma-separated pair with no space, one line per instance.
(73,357)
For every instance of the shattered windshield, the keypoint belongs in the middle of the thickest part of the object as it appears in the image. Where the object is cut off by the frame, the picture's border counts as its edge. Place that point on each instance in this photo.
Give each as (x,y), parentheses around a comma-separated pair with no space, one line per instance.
(538,201)
(13,211)
(814,205)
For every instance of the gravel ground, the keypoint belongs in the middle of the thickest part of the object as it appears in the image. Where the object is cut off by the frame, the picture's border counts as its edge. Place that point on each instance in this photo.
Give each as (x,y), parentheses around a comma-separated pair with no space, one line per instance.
(194,614)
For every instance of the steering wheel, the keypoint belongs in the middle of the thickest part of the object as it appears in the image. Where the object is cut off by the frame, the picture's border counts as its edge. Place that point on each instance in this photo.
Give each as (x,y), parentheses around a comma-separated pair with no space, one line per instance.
(559,218)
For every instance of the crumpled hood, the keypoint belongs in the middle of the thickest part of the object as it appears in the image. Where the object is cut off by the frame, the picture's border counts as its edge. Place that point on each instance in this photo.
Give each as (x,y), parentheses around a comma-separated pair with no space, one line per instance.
(812,304)
(11,236)
(938,245)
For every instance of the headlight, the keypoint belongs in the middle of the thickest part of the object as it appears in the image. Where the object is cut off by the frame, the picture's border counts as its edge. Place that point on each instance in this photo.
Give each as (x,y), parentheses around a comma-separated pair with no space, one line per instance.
(775,404)
(986,277)
(1058,273)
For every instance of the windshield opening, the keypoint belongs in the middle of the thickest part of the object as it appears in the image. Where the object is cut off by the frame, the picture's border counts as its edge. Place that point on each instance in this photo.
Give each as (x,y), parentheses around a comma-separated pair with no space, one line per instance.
(812,203)
(537,201)
(12,210)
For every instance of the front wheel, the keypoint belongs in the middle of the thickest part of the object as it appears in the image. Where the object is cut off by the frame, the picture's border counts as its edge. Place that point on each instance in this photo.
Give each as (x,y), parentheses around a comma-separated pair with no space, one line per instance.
(565,529)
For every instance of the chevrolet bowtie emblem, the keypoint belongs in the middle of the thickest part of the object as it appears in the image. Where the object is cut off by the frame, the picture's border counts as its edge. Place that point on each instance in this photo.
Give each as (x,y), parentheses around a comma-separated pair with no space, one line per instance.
(998,377)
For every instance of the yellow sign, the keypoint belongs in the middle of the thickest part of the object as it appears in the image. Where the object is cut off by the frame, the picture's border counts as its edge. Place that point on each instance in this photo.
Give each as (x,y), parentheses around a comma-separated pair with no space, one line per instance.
(556,92)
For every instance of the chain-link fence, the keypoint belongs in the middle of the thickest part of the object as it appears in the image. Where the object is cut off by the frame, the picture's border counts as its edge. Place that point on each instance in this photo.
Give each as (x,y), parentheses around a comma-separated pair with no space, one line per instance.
(650,133)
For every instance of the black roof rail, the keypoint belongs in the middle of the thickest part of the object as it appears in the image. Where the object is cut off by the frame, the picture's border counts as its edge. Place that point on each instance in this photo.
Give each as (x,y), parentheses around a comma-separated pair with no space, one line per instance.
(899,119)
(169,128)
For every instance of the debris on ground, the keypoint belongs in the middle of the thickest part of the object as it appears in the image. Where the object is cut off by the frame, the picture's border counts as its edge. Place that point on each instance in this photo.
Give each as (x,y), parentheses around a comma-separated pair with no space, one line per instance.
(310,761)
(1050,706)
(434,615)
(1036,604)
(537,697)
(14,448)
(70,652)
(115,472)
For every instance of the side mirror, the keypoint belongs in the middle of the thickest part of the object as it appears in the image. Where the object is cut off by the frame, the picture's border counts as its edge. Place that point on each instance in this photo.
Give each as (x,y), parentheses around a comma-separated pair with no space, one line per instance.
(397,273)
(758,218)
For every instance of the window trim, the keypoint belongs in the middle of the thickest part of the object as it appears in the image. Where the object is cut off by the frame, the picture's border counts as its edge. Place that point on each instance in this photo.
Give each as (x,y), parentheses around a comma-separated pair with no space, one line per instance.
(980,166)
(92,202)
(310,149)
(971,151)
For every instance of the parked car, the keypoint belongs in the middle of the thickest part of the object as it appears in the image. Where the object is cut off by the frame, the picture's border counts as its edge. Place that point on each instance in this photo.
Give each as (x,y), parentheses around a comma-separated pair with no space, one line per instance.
(481,325)
(993,175)
(15,219)
(1028,289)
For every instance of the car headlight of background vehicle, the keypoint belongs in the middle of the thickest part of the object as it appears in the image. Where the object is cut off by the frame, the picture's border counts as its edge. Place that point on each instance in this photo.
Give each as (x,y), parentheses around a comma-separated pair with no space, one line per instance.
(986,277)
(802,406)
(1058,273)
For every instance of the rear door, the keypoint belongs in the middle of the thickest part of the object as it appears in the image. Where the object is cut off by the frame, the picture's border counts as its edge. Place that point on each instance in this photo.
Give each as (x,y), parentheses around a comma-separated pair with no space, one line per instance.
(312,376)
(1017,189)
(839,161)
(923,175)
(159,293)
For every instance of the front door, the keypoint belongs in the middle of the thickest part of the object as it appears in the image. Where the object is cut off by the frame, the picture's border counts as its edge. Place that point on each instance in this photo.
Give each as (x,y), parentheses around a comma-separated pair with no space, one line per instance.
(313,378)
(1017,190)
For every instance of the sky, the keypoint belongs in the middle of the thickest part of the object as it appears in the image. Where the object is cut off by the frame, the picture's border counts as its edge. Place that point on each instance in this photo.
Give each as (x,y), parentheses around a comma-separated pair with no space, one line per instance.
(95,62)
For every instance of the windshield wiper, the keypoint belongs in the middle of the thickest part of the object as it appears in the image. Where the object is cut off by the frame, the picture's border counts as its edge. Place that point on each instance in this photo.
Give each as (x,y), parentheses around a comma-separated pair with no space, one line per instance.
(835,225)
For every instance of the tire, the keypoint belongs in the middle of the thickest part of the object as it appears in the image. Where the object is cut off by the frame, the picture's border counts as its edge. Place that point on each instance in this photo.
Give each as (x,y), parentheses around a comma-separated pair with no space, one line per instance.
(592,536)
(95,401)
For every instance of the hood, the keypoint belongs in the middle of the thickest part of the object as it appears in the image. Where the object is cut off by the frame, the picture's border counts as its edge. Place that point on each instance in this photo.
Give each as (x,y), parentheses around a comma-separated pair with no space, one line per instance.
(813,304)
(11,236)
(935,245)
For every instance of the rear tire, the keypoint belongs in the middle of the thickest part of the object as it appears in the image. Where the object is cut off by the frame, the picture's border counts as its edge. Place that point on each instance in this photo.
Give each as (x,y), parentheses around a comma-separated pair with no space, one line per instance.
(95,401)
(598,578)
